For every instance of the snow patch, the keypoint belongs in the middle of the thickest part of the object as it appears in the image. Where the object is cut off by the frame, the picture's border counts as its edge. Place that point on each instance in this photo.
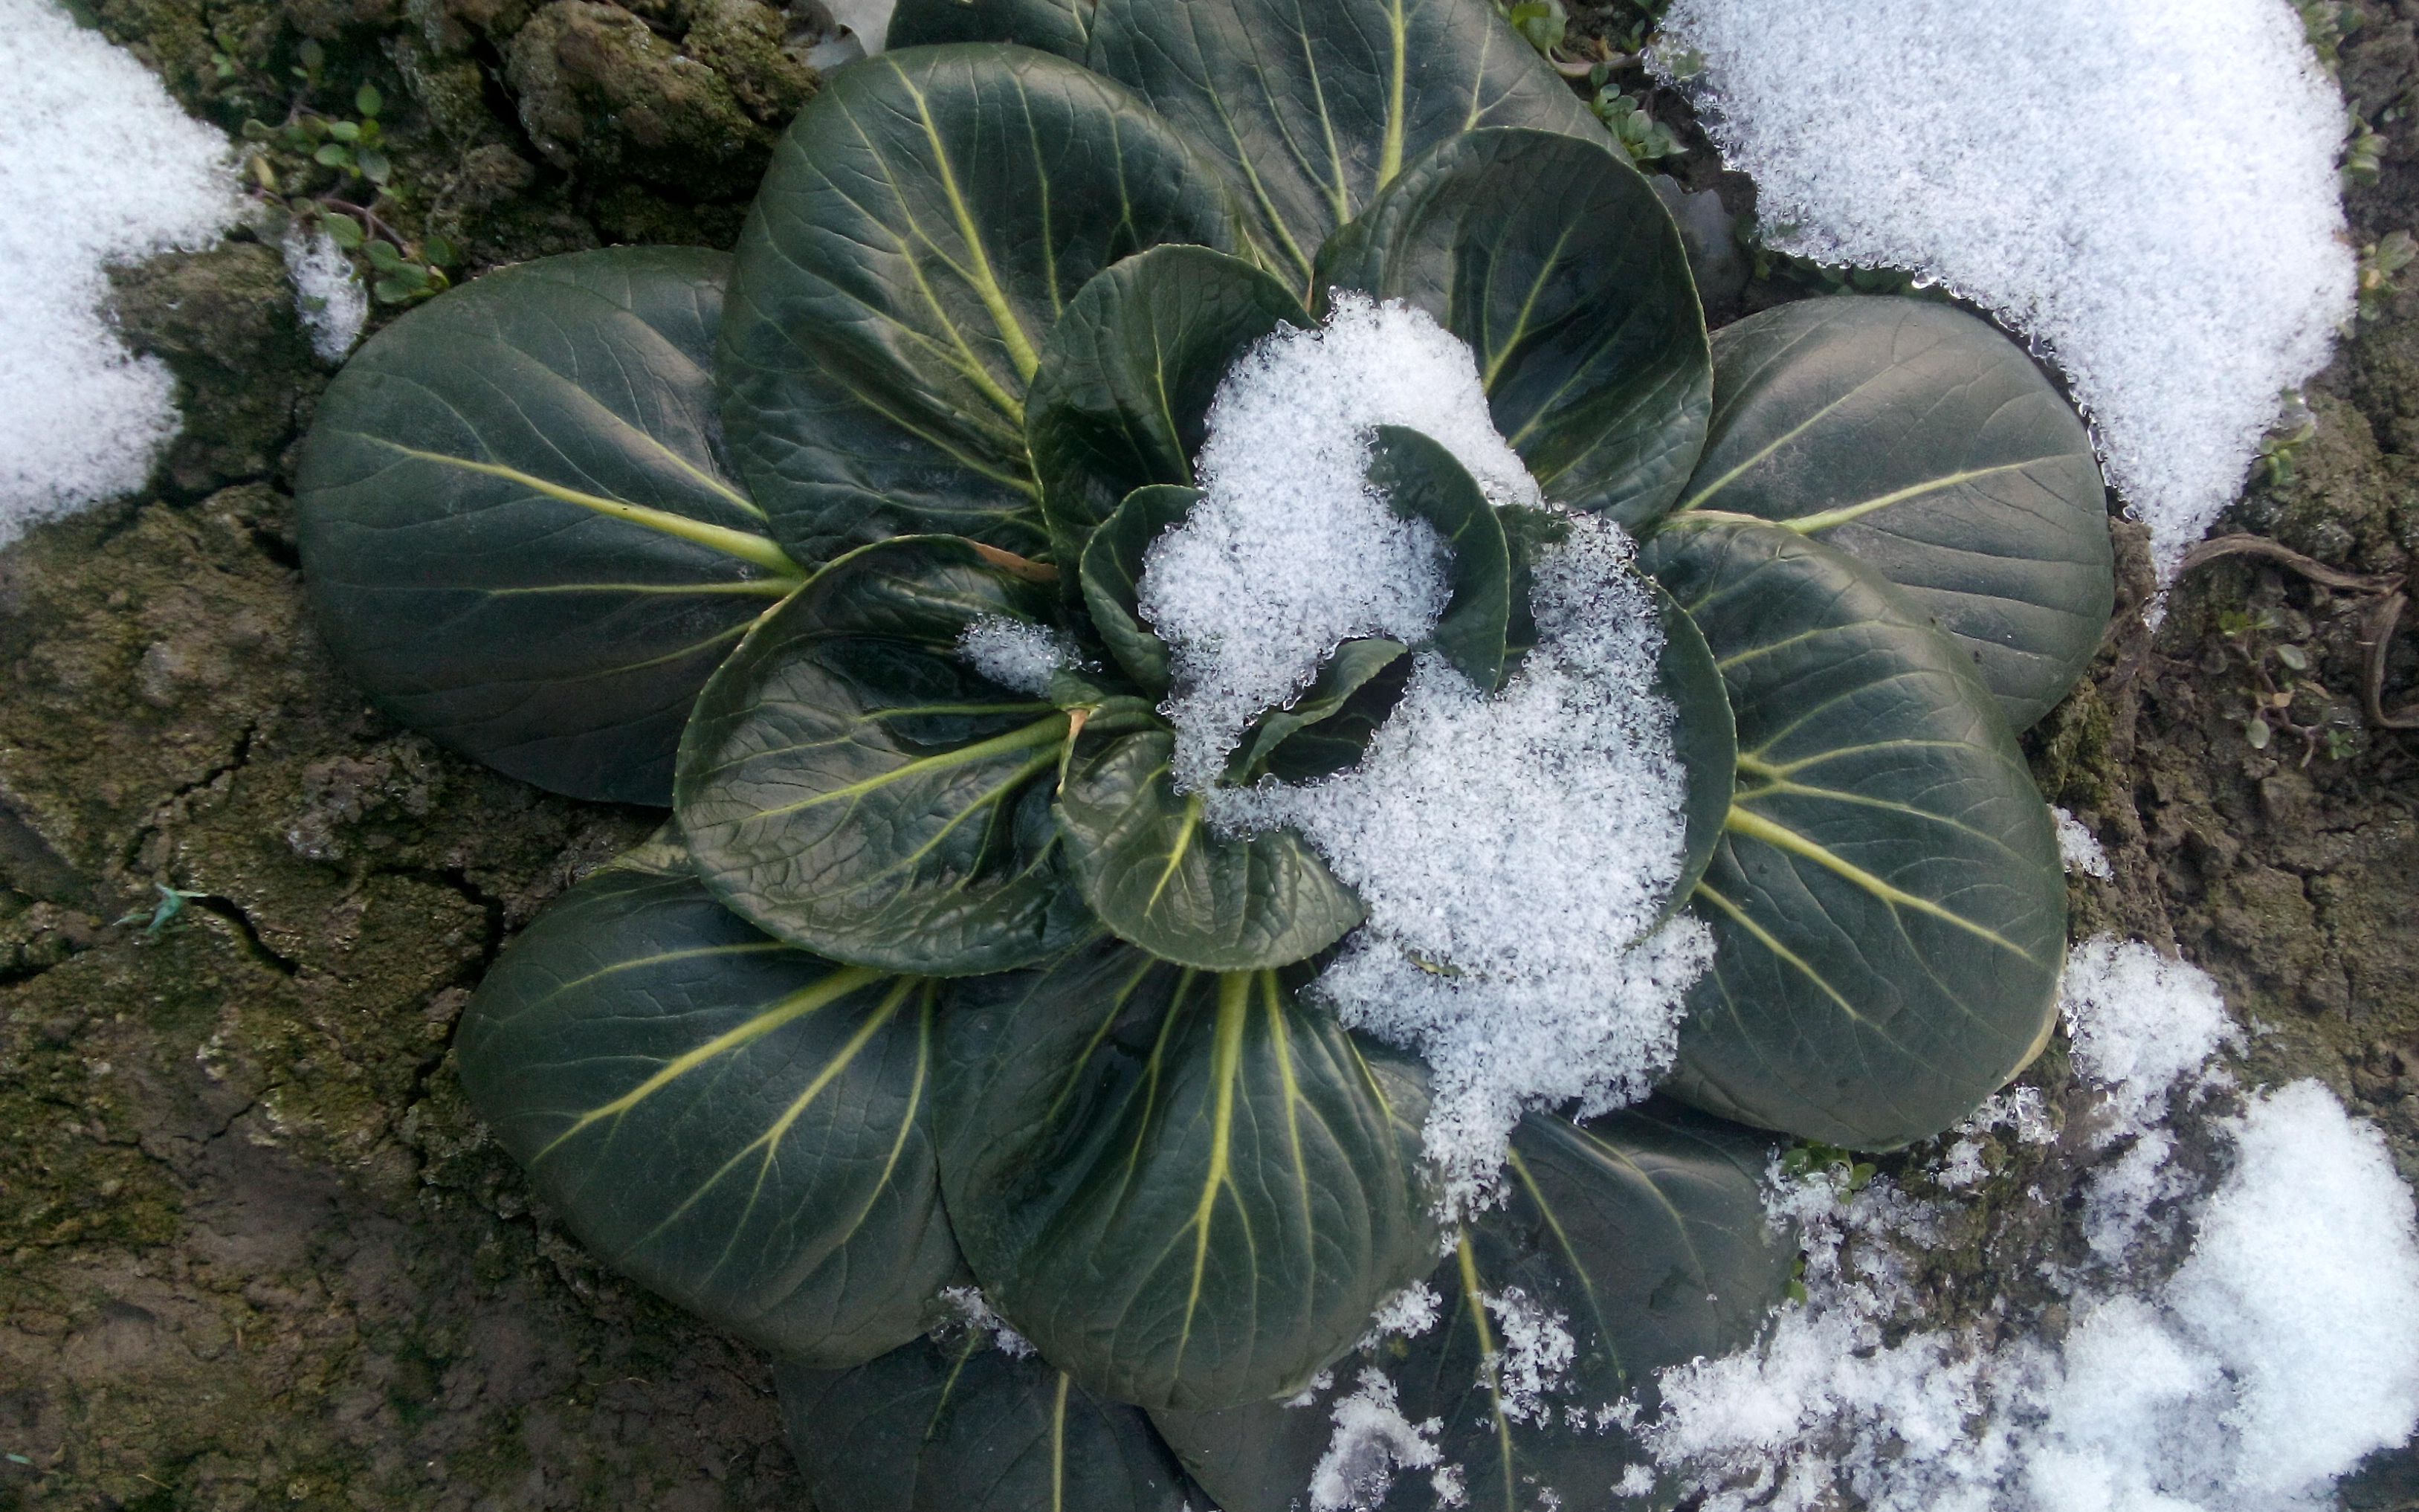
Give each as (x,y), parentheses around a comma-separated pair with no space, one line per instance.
(2183,269)
(1406,1314)
(974,1310)
(1020,657)
(1291,550)
(1513,854)
(98,167)
(2079,848)
(2284,1348)
(1372,1440)
(2140,1024)
(328,293)
(1534,1358)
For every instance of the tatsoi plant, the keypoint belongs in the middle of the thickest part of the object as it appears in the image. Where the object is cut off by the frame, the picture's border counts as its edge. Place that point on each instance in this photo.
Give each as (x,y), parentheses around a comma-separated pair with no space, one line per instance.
(942,1044)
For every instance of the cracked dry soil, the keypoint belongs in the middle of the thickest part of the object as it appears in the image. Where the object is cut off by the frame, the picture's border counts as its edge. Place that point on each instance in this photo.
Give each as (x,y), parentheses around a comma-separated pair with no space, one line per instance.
(253,1249)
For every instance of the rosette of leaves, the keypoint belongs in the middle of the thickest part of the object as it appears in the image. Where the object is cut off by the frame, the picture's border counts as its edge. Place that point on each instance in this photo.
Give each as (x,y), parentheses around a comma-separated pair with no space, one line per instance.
(934,983)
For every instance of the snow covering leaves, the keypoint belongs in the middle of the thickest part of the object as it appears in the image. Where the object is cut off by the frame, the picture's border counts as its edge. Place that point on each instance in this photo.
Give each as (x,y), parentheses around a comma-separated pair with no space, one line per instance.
(1513,850)
(2180,257)
(1017,654)
(1372,1441)
(2283,1350)
(1513,853)
(98,167)
(1291,550)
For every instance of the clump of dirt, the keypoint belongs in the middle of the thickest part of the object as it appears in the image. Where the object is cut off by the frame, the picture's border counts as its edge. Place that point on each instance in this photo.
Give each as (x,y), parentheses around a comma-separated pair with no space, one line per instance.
(253,1247)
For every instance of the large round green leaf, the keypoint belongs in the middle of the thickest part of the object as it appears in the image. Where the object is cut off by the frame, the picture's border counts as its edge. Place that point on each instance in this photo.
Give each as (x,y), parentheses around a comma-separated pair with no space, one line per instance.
(1887,907)
(1155,872)
(1060,26)
(1189,1190)
(733,1122)
(958,1426)
(1643,1233)
(925,221)
(1555,261)
(852,784)
(1313,106)
(1123,392)
(517,526)
(1927,445)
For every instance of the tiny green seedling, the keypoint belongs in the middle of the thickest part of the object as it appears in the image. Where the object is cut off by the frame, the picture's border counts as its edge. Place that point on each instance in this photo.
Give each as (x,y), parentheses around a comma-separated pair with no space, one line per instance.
(2382,263)
(2296,423)
(156,918)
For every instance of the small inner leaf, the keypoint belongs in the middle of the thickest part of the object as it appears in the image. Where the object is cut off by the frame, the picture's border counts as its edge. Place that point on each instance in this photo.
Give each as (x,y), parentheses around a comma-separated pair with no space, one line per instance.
(1420,479)
(1123,392)
(1112,578)
(1155,872)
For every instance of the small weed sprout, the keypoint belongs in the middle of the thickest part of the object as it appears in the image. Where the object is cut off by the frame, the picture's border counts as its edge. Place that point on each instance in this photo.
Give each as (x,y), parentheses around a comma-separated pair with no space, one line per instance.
(2382,263)
(2279,669)
(156,919)
(2296,423)
(356,209)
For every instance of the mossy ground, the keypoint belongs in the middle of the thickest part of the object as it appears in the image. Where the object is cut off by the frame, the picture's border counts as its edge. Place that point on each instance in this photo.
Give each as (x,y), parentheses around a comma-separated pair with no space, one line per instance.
(253,1249)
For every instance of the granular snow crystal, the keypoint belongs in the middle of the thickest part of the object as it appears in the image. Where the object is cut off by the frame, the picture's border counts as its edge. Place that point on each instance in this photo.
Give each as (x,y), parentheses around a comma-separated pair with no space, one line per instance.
(1513,854)
(98,167)
(1290,551)
(1371,1442)
(2147,188)
(1018,657)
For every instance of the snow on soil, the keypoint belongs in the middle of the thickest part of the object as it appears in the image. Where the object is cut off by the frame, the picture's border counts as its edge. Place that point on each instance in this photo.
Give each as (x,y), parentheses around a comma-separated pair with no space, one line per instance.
(2148,188)
(327,292)
(2284,1348)
(98,167)
(2078,847)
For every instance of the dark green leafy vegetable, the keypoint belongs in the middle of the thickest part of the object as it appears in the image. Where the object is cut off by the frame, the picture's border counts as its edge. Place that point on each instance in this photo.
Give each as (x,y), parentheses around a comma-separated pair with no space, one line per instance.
(937,979)
(1643,1233)
(737,1124)
(1188,1190)
(1155,872)
(957,1426)
(1554,260)
(1927,445)
(1887,907)
(1127,376)
(926,219)
(1313,106)
(517,529)
(850,783)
